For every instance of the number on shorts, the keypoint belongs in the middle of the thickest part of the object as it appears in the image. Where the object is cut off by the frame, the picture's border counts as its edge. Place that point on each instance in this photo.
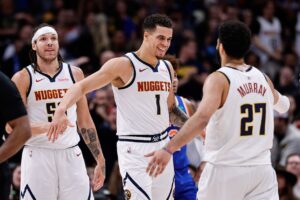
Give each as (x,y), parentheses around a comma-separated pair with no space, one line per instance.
(246,128)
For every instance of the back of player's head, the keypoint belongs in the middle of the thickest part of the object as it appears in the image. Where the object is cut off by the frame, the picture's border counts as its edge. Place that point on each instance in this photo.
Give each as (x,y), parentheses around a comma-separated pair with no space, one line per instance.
(154,20)
(235,37)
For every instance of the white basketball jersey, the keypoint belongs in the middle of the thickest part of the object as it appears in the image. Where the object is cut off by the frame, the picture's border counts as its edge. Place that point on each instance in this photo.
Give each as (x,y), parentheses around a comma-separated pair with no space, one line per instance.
(44,95)
(240,133)
(142,103)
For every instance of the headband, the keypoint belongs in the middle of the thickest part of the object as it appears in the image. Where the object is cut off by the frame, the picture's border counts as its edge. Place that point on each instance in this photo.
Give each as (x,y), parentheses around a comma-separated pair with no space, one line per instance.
(42,31)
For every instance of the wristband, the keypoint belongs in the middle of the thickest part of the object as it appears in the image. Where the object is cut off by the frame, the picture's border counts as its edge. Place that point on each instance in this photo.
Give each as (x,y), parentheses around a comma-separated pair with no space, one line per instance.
(167,150)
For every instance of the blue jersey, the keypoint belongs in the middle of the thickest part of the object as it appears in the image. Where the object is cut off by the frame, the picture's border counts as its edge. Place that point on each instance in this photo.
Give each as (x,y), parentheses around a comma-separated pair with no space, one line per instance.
(185,188)
(179,157)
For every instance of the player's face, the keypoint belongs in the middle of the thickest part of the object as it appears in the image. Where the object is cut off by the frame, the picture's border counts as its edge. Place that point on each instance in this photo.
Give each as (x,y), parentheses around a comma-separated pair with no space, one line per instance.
(159,41)
(46,47)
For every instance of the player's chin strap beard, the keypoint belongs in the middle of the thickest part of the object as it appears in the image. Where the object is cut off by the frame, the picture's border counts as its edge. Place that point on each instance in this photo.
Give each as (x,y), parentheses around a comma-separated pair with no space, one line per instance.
(37,68)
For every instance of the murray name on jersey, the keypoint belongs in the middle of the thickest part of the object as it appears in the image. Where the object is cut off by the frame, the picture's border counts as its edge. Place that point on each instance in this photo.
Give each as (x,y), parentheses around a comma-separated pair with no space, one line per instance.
(248,88)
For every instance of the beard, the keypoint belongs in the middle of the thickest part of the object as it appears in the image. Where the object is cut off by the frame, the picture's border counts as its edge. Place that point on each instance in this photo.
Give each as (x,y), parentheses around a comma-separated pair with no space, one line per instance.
(47,59)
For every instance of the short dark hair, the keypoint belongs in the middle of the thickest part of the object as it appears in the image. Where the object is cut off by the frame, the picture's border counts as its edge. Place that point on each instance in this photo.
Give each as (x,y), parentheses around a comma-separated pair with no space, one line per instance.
(154,20)
(235,37)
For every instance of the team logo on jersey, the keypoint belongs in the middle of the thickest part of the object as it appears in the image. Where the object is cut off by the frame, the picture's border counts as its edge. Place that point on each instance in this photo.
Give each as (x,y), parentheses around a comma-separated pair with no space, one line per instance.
(141,70)
(39,80)
(173,132)
(63,79)
(127,194)
(145,86)
(49,94)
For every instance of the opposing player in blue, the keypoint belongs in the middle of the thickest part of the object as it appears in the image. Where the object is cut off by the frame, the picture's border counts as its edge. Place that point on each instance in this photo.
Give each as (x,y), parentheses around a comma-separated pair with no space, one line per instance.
(185,187)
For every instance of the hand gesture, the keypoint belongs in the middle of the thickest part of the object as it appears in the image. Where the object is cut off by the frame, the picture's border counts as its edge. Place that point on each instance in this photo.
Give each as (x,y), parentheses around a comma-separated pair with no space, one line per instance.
(158,162)
(58,125)
(99,175)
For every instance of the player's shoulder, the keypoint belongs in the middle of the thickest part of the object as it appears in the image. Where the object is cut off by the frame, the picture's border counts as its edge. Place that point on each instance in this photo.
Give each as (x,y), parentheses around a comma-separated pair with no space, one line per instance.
(77,73)
(119,64)
(21,75)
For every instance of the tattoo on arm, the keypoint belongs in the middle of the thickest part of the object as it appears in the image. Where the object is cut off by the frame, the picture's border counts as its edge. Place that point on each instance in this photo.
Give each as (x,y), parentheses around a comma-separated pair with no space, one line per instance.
(90,138)
(177,116)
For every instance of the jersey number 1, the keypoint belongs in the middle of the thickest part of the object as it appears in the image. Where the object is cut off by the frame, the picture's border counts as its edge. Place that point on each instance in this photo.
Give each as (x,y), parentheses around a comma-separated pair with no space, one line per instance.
(157,97)
(246,127)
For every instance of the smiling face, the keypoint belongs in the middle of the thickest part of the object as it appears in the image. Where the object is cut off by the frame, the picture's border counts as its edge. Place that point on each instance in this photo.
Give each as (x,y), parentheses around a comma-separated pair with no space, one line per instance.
(159,40)
(46,47)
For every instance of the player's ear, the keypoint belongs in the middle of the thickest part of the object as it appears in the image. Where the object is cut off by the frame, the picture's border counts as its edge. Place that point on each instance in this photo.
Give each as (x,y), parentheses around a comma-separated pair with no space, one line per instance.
(33,46)
(146,34)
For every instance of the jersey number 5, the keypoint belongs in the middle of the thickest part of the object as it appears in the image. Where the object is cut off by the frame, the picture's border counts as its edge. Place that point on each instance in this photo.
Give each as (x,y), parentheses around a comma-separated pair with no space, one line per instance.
(249,109)
(50,107)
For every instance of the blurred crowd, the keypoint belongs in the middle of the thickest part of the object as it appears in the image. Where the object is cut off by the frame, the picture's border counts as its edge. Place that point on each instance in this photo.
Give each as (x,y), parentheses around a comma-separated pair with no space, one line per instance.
(94,31)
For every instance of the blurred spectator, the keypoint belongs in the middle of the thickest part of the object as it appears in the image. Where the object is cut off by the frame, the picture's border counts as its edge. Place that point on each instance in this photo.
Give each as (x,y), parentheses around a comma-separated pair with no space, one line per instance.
(287,82)
(16,183)
(293,166)
(268,42)
(97,25)
(105,56)
(286,182)
(286,139)
(108,140)
(16,53)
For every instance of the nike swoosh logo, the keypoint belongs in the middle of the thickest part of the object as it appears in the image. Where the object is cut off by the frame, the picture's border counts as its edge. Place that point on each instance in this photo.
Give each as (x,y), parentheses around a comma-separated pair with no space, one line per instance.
(39,80)
(141,70)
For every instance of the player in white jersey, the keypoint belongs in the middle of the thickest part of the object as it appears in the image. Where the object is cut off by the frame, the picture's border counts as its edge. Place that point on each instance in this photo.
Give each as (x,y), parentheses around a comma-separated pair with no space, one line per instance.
(237,111)
(55,170)
(144,97)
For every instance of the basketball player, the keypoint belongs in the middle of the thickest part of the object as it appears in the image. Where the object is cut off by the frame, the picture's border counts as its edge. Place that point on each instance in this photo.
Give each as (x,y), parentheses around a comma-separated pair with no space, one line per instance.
(142,86)
(237,111)
(13,112)
(185,187)
(55,170)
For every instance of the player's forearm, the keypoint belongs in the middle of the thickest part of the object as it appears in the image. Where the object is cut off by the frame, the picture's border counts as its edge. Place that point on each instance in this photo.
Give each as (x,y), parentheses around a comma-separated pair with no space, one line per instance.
(90,138)
(177,116)
(71,97)
(189,130)
(19,135)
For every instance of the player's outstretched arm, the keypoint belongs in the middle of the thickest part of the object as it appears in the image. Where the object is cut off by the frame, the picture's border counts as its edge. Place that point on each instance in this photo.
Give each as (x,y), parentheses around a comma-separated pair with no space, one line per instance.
(110,71)
(87,129)
(211,101)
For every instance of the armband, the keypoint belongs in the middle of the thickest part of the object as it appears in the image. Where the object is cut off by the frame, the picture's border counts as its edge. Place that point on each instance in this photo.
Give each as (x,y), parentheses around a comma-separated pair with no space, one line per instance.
(282,104)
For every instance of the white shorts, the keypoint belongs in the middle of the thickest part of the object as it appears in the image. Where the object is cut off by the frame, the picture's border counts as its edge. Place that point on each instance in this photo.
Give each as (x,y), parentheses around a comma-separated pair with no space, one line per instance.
(238,183)
(138,185)
(54,174)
